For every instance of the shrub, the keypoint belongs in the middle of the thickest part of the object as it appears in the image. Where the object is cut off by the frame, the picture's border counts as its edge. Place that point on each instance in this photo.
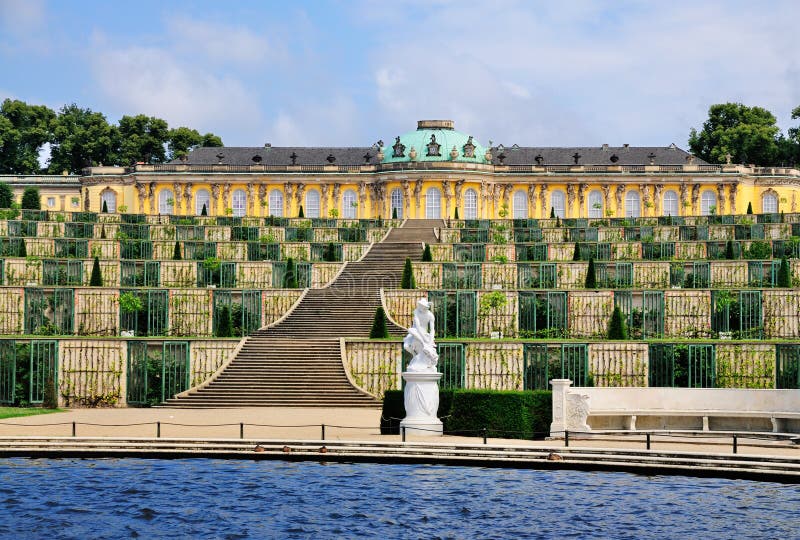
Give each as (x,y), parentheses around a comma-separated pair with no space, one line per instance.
(784,274)
(750,208)
(50,399)
(31,199)
(506,414)
(23,250)
(576,254)
(224,322)
(591,278)
(96,279)
(6,195)
(729,254)
(290,278)
(379,329)
(616,326)
(176,253)
(407,281)
(426,254)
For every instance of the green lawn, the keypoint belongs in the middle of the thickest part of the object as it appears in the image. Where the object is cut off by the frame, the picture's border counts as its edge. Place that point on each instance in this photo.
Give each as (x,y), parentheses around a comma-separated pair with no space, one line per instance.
(12,412)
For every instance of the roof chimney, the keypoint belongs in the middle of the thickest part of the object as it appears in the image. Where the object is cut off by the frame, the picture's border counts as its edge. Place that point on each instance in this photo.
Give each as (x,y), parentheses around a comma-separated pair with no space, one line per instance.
(626,145)
(605,146)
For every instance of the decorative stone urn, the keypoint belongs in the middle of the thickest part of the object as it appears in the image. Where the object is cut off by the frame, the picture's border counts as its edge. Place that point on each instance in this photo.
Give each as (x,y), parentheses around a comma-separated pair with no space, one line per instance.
(421,396)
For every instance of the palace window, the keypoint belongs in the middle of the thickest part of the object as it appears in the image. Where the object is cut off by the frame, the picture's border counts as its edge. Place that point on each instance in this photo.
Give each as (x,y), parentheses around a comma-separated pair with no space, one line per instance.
(276,203)
(632,204)
(708,203)
(520,205)
(433,203)
(471,204)
(108,197)
(558,202)
(769,203)
(51,202)
(397,203)
(166,202)
(202,198)
(312,204)
(594,203)
(349,204)
(239,204)
(670,206)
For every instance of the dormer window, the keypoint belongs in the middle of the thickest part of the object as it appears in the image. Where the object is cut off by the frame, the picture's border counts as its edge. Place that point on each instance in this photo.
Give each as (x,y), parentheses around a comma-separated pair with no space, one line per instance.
(614,158)
(538,159)
(330,159)
(399,149)
(469,148)
(256,159)
(433,147)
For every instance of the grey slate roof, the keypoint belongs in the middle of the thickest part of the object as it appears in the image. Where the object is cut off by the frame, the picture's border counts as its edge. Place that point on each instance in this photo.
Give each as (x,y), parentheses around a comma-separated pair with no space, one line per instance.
(514,155)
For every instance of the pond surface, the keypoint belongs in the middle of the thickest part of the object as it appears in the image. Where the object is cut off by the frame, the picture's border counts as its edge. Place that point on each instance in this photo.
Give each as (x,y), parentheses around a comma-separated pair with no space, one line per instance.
(205,498)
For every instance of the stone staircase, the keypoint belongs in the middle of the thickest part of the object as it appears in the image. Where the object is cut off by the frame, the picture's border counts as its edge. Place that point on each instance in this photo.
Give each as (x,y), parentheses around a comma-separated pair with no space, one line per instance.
(297,362)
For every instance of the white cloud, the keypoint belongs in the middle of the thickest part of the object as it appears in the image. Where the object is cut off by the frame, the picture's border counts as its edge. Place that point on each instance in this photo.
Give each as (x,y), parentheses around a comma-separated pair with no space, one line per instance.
(222,43)
(332,122)
(22,16)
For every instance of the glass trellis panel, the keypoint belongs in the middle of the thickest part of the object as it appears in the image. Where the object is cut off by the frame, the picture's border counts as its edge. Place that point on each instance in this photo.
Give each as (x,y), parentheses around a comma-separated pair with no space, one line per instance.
(614,275)
(624,300)
(35,215)
(527,235)
(762,273)
(298,234)
(768,218)
(78,230)
(135,231)
(536,276)
(583,234)
(190,232)
(575,363)
(543,314)
(124,218)
(221,299)
(751,320)
(136,249)
(326,251)
(455,312)
(11,247)
(244,234)
(716,250)
(749,232)
(322,222)
(671,220)
(452,365)
(469,252)
(140,273)
(223,275)
(654,251)
(700,276)
(597,251)
(2,271)
(137,373)
(471,236)
(352,234)
(661,365)
(263,252)
(476,224)
(43,367)
(785,248)
(461,276)
(279,273)
(22,228)
(64,272)
(175,368)
(531,252)
(69,247)
(721,302)
(153,318)
(87,217)
(536,375)
(787,366)
(251,311)
(8,371)
(35,306)
(702,366)
(229,221)
(245,314)
(692,233)
(199,251)
(652,314)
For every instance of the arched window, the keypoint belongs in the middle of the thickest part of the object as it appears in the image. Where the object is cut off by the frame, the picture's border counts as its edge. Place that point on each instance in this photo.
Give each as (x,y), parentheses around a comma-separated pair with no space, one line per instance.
(312,204)
(202,198)
(276,203)
(670,206)
(632,206)
(433,203)
(110,198)
(397,203)
(520,205)
(708,203)
(166,202)
(558,203)
(349,204)
(471,204)
(239,203)
(769,204)
(594,203)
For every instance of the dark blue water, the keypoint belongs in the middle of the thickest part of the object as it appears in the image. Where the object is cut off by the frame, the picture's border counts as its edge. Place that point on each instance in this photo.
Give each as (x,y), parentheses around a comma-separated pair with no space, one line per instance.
(130,498)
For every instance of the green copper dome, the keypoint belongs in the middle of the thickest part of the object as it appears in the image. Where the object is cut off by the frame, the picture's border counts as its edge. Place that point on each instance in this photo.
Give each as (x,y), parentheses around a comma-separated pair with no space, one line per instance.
(434,140)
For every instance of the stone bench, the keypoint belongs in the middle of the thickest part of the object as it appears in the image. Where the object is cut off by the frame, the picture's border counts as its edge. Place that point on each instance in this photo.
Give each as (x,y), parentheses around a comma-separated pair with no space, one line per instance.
(707,419)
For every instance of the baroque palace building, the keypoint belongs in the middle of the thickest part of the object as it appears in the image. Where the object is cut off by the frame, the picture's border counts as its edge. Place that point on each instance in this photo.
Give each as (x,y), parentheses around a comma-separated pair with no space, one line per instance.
(427,173)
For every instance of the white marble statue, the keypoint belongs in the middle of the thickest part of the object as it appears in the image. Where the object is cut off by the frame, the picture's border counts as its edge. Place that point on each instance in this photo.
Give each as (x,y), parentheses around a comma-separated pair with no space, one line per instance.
(420,340)
(421,396)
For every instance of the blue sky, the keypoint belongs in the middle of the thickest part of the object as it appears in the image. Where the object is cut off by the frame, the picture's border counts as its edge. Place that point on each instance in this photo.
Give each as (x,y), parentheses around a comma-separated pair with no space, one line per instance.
(348,73)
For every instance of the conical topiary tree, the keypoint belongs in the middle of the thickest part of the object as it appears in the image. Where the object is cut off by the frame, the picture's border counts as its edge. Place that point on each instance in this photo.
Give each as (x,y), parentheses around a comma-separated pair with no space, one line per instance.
(23,251)
(300,213)
(204,211)
(784,274)
(176,253)
(104,210)
(6,195)
(394,213)
(729,254)
(455,216)
(103,231)
(591,278)
(379,328)
(616,326)
(31,199)
(749,208)
(427,256)
(96,279)
(290,278)
(407,281)
(224,327)
(576,255)
(552,213)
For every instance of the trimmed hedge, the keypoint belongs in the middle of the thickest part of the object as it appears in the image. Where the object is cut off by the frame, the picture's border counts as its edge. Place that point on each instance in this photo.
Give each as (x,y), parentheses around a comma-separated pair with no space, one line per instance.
(505,414)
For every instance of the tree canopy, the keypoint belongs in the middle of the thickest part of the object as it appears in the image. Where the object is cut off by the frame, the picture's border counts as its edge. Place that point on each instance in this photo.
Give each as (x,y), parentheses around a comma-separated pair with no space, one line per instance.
(79,137)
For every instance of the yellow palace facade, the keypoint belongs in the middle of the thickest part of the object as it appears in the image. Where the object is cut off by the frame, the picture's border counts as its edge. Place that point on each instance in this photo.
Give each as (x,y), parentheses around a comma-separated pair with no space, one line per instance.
(430,173)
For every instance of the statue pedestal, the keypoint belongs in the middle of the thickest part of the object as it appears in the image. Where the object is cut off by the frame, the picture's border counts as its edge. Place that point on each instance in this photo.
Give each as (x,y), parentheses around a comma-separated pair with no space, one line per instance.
(421,398)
